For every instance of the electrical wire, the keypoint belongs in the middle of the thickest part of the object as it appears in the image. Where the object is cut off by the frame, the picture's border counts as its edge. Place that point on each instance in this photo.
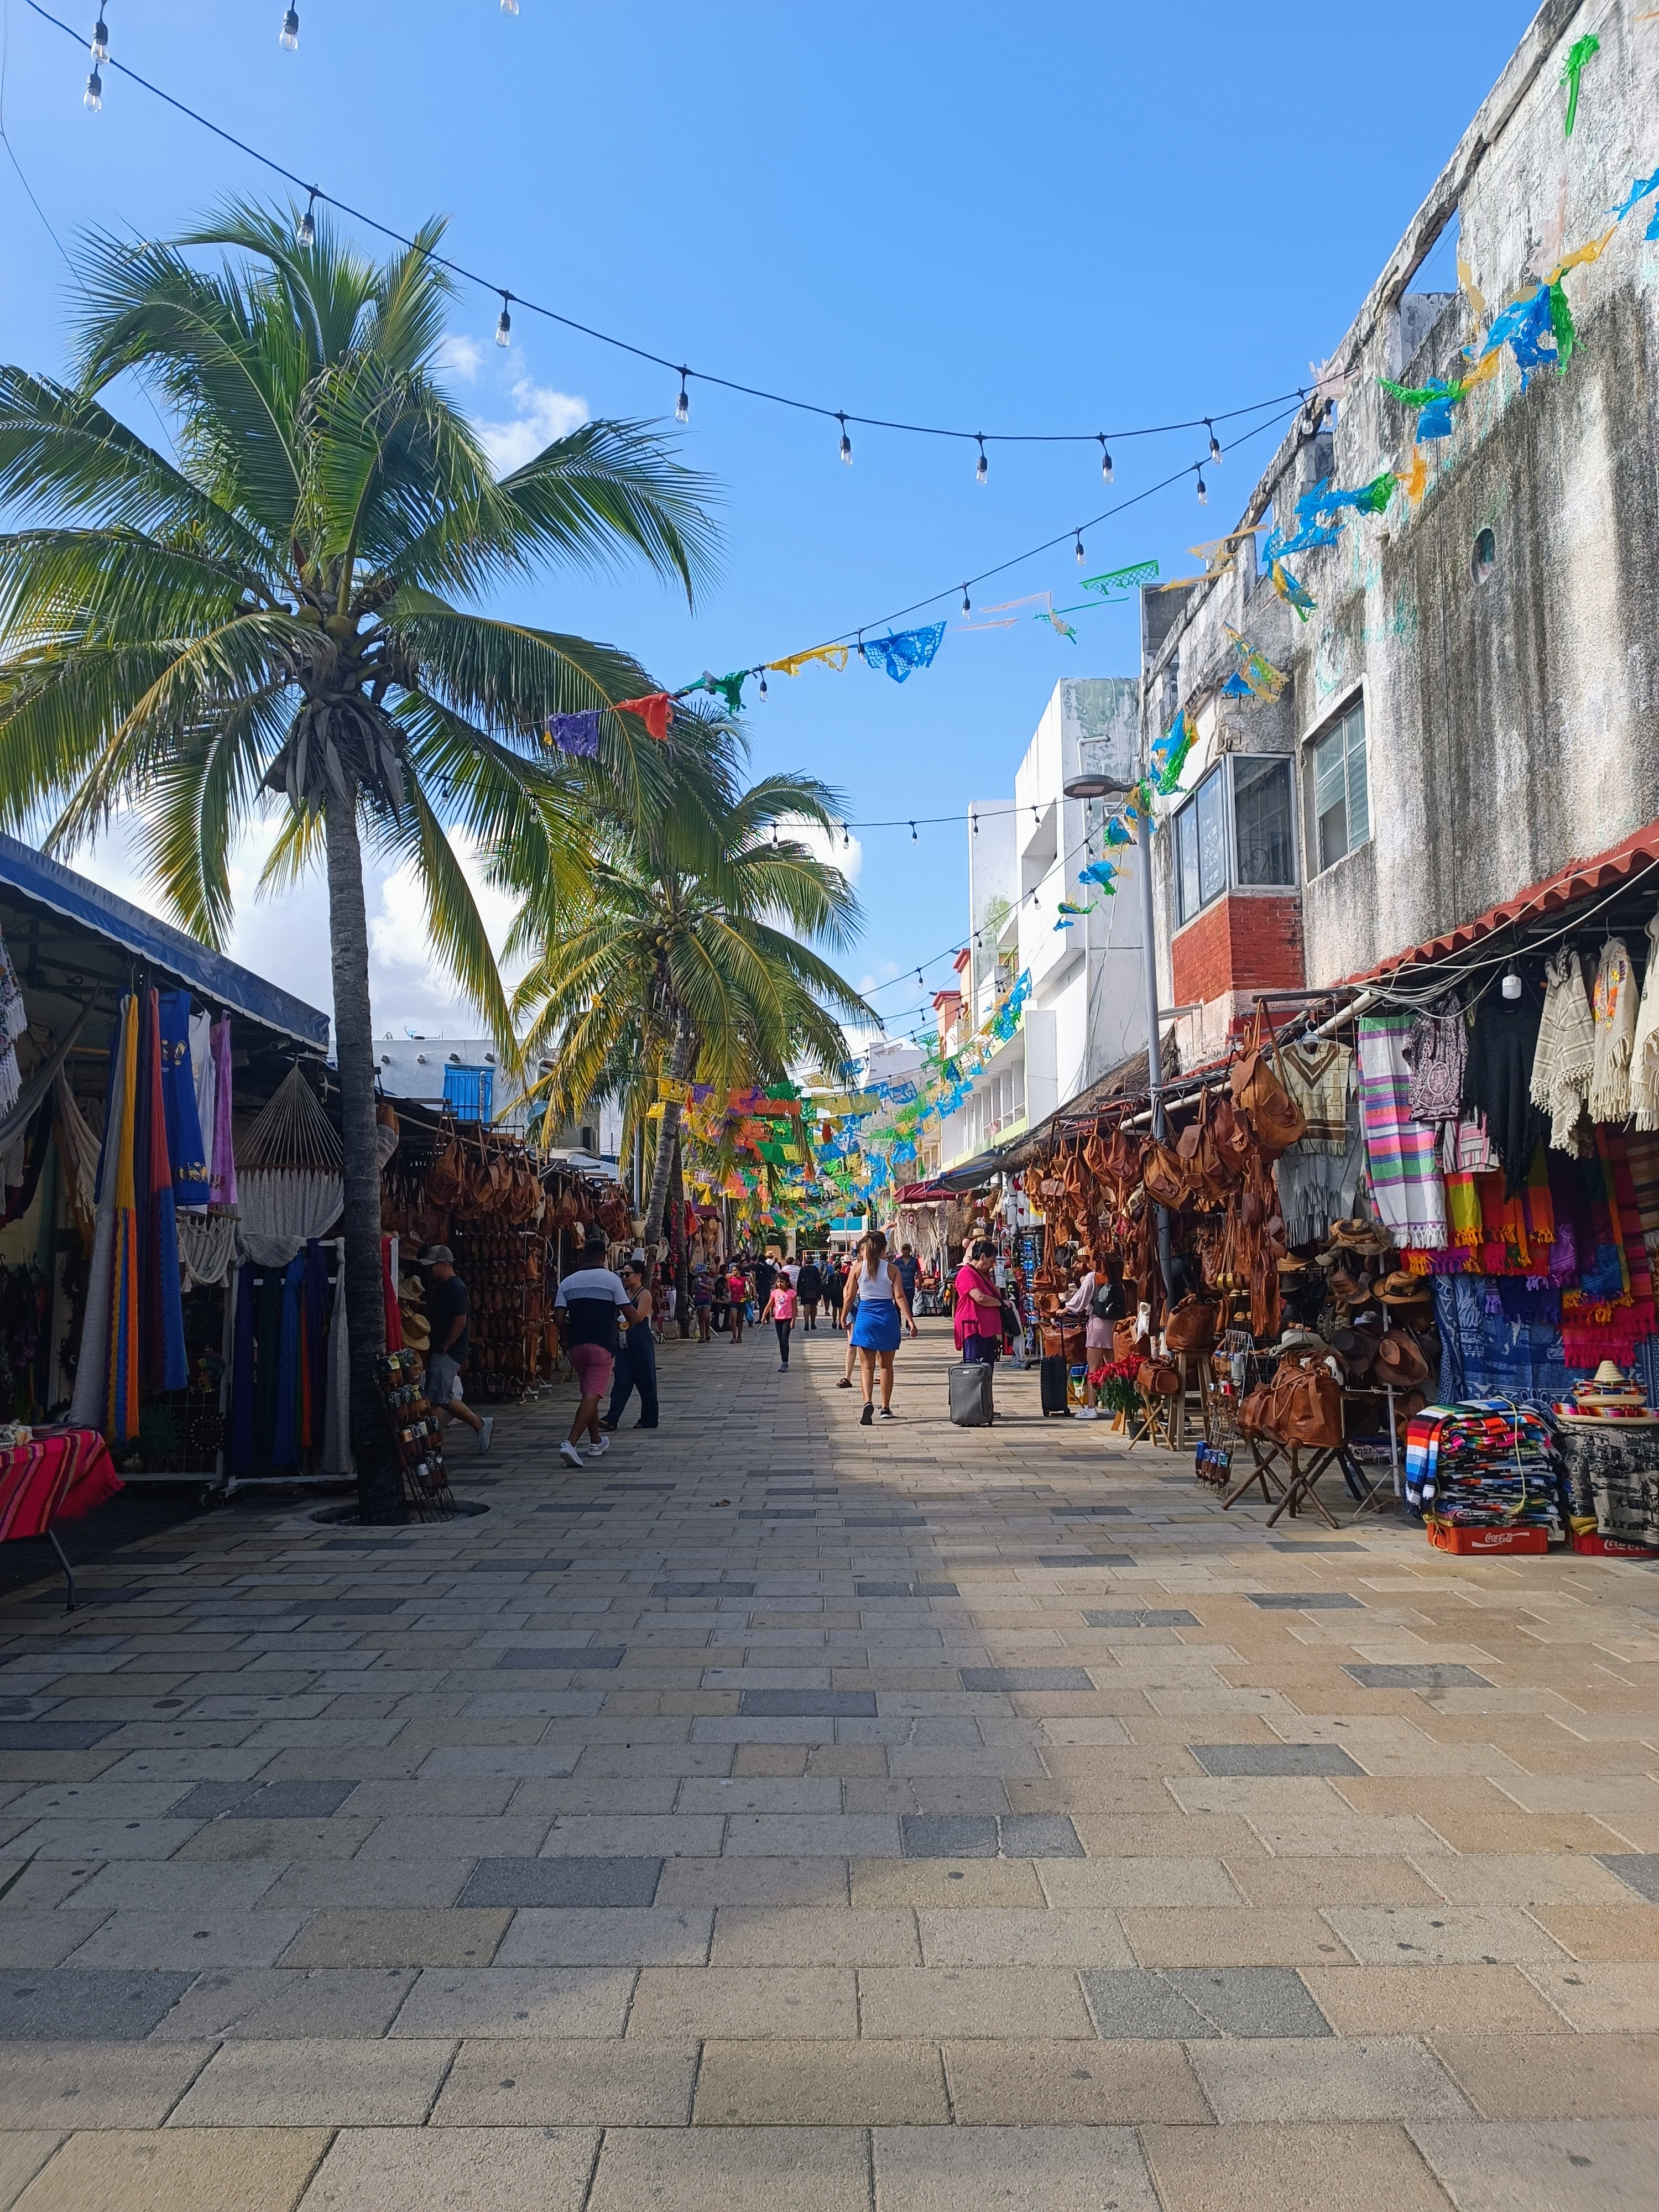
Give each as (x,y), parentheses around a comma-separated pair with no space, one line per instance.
(508,297)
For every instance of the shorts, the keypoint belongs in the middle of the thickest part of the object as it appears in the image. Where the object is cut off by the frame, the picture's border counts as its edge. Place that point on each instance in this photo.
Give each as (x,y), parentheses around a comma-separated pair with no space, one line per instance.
(443,1379)
(594,1367)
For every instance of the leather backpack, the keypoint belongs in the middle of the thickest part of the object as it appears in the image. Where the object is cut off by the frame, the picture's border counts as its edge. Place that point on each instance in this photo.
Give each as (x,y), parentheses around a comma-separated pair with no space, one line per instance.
(1164,1176)
(1129,1339)
(1190,1325)
(1278,1121)
(1307,1405)
(1158,1378)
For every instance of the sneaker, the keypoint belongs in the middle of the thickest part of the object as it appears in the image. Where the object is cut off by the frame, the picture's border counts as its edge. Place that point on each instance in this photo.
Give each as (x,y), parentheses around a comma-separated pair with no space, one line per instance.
(867,1417)
(599,1450)
(486,1431)
(783,1368)
(887,1414)
(1085,1413)
(569,1455)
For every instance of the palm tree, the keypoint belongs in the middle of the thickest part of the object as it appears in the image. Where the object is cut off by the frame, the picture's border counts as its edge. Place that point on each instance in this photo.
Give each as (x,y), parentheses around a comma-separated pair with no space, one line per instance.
(284,610)
(688,951)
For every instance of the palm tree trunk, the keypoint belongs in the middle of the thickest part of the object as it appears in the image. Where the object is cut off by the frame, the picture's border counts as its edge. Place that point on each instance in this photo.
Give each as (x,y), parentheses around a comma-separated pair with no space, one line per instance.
(680,1247)
(379,1488)
(679,1063)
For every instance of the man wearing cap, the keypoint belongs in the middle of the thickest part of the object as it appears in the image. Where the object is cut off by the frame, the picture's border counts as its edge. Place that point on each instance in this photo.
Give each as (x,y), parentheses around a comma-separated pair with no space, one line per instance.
(449,1309)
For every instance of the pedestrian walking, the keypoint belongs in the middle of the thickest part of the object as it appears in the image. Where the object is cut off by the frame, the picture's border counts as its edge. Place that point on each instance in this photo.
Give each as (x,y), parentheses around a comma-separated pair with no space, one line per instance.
(1099,1298)
(979,1306)
(636,1361)
(809,1286)
(781,1311)
(586,1306)
(763,1275)
(909,1268)
(883,1318)
(846,1307)
(720,1312)
(737,1298)
(449,1310)
(702,1299)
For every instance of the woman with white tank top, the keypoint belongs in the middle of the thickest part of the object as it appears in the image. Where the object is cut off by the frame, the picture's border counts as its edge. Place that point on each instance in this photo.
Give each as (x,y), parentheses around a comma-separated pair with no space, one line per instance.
(884,1316)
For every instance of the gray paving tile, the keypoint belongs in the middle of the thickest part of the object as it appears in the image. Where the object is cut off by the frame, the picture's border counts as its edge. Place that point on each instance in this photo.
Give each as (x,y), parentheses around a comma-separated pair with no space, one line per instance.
(1273,1759)
(822,1705)
(54,1735)
(89,2004)
(1303,1600)
(1091,1512)
(576,1506)
(1143,1617)
(1025,1677)
(516,1566)
(570,1657)
(1085,1559)
(209,1801)
(563,1882)
(1039,1835)
(1126,2003)
(905,1589)
(948,1835)
(1314,1544)
(369,1607)
(703,1590)
(1433,1677)
(1639,1870)
(1201,2001)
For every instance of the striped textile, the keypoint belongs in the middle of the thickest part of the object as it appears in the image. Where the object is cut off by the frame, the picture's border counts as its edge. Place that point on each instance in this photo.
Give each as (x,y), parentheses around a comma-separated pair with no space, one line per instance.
(60,1476)
(1407,1191)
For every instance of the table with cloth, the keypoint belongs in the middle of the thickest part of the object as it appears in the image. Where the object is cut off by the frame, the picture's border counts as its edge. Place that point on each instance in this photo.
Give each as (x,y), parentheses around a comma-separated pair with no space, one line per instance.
(1612,1472)
(60,1475)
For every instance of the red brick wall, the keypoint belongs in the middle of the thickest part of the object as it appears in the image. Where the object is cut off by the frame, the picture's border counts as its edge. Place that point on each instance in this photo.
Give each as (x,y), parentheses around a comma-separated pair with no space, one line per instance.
(1240,944)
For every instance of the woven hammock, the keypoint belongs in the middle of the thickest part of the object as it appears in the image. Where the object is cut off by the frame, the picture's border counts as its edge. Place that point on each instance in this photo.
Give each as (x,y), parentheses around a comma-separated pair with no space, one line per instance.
(288,1170)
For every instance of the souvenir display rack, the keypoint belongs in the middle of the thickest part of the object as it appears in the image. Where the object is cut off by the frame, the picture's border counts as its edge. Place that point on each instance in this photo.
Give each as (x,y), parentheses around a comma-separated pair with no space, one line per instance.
(416,1435)
(510,1276)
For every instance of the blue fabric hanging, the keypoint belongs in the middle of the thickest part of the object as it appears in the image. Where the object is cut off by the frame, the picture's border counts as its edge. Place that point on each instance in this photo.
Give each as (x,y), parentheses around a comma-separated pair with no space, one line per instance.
(900,654)
(285,1444)
(239,1457)
(576,734)
(186,1151)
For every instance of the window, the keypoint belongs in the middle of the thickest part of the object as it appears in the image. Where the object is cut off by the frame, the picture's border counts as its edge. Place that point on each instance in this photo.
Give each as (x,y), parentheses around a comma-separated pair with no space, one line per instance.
(1341,806)
(1237,829)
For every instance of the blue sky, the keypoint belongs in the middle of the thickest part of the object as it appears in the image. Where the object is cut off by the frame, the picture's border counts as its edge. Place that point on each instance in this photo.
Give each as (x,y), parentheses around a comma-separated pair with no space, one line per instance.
(1091,218)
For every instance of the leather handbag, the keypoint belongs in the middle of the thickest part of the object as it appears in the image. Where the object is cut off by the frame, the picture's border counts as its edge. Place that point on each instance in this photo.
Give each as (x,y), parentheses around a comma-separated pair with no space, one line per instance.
(1063,1337)
(1164,1176)
(1190,1325)
(1254,1410)
(1129,1340)
(1278,1121)
(1307,1405)
(1158,1378)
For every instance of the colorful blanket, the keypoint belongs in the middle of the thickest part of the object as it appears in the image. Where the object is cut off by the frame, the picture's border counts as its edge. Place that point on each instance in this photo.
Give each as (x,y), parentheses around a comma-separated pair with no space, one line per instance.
(1407,1191)
(59,1476)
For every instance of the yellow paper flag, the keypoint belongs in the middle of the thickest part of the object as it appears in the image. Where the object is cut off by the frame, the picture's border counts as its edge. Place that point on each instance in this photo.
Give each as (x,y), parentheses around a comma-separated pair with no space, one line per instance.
(833,656)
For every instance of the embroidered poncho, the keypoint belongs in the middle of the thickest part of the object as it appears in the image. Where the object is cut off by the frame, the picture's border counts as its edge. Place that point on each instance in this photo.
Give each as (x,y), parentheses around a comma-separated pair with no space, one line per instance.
(1565,1058)
(1615,1008)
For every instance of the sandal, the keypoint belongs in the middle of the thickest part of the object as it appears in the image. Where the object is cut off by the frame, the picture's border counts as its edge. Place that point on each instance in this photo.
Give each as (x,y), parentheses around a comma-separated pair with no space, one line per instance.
(845,1383)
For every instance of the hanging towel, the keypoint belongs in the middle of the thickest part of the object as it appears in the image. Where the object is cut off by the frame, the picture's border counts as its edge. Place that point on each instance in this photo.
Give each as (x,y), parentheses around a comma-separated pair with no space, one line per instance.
(1409,1197)
(223,1184)
(186,1147)
(1565,1058)
(1644,1048)
(1614,1005)
(203,1074)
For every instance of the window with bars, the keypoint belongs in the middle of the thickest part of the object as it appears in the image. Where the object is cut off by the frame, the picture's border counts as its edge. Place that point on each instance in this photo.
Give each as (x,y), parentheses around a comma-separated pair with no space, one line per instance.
(1341,800)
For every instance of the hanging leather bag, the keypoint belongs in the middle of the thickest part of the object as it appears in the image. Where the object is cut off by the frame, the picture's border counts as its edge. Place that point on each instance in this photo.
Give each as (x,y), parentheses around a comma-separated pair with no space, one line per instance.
(1063,1337)
(1278,1121)
(1190,1325)
(1129,1341)
(1158,1378)
(1164,1175)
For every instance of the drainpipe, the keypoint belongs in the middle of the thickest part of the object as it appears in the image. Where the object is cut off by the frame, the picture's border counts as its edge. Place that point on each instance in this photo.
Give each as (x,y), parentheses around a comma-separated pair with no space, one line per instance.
(1149,935)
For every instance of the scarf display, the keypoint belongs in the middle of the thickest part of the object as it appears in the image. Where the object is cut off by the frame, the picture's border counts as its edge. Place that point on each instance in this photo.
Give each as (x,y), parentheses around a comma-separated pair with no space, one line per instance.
(222,1184)
(1436,1052)
(86,1406)
(1613,1002)
(14,1020)
(1407,1191)
(187,1149)
(1611,1310)
(1642,1149)
(1645,1046)
(1565,1058)
(164,1365)
(1498,1080)
(1317,1075)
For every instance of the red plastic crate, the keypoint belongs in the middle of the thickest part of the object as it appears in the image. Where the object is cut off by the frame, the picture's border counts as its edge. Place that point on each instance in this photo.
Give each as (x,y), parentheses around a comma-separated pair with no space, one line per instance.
(1446,1538)
(1612,1547)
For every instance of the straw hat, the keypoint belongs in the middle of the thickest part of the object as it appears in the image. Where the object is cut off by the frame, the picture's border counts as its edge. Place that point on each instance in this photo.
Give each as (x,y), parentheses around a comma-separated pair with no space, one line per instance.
(1290,1265)
(411,1291)
(416,1335)
(1609,1374)
(1400,1289)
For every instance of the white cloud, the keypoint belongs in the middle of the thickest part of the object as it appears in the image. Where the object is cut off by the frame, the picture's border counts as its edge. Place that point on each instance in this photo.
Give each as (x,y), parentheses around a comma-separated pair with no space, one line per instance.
(884,973)
(838,847)
(462,355)
(541,415)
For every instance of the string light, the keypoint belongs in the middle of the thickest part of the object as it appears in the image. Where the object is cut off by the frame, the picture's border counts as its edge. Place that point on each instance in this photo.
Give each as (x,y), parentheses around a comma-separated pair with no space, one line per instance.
(914,840)
(846,443)
(1215,442)
(504,323)
(289,37)
(967,604)
(99,48)
(1105,458)
(93,97)
(982,468)
(763,683)
(682,405)
(1203,490)
(974,819)
(846,836)
(1078,549)
(509,7)
(305,230)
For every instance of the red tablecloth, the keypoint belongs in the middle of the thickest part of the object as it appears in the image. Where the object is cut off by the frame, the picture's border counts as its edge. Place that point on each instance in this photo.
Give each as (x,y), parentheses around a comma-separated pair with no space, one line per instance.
(60,1476)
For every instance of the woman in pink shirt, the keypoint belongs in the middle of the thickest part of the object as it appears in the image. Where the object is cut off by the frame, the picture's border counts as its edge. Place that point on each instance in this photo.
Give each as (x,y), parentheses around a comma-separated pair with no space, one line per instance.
(979,1306)
(781,1309)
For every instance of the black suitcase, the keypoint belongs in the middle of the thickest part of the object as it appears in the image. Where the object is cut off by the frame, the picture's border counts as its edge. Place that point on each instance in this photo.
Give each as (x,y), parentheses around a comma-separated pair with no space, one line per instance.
(971,1404)
(1055,1381)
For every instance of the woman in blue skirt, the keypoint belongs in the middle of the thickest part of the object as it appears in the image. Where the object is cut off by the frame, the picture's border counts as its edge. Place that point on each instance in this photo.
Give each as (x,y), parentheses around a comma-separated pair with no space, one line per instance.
(875,1287)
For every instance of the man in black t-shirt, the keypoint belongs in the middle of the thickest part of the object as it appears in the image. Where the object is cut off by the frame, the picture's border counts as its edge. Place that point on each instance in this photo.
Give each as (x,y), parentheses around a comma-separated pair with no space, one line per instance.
(764,1275)
(449,1309)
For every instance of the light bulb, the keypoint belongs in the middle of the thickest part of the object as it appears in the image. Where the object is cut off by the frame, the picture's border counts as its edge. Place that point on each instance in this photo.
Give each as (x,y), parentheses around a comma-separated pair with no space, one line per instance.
(1215,442)
(914,840)
(763,683)
(983,467)
(1078,549)
(504,323)
(1511,985)
(1105,457)
(1203,490)
(305,229)
(93,97)
(100,48)
(846,836)
(682,405)
(967,604)
(846,443)
(974,819)
(288,36)
(509,7)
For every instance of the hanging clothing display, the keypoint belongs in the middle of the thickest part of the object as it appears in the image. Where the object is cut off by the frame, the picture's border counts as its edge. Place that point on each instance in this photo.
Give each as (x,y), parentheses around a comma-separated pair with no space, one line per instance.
(1318,1186)
(185,1148)
(336,1456)
(119,1415)
(1613,1003)
(1317,1076)
(1407,1191)
(1645,1046)
(14,1020)
(1498,1078)
(90,1400)
(1565,1057)
(222,1185)
(203,1076)
(207,1248)
(1436,1051)
(163,1366)
(238,1456)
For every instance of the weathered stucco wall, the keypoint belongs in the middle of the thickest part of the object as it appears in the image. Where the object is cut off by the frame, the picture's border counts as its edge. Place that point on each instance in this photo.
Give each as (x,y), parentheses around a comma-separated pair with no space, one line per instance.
(1509,717)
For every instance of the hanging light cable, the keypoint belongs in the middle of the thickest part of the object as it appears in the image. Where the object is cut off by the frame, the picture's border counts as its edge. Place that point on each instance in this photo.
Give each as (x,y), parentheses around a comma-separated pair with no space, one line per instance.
(982,468)
(1105,458)
(504,323)
(846,443)
(682,405)
(305,231)
(1203,488)
(967,604)
(289,37)
(1215,442)
(1078,549)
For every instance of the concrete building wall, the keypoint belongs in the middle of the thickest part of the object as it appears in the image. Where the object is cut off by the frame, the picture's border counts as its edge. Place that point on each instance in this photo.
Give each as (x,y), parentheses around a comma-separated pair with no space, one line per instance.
(1508,698)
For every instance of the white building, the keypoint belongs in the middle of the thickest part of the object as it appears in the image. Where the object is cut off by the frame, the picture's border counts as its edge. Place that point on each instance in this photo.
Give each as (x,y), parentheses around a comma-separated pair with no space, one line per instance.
(1086,1010)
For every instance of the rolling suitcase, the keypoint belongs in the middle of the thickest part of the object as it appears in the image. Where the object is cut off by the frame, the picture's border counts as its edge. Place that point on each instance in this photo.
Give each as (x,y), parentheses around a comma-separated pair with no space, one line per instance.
(970,1394)
(1055,1375)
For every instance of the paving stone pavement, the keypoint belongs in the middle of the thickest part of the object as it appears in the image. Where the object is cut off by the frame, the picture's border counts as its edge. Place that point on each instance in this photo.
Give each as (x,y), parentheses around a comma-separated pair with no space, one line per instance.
(784,1813)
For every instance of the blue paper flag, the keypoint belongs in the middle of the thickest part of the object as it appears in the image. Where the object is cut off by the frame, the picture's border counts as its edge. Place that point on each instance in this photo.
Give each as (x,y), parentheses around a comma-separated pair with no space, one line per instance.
(899,654)
(575,733)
